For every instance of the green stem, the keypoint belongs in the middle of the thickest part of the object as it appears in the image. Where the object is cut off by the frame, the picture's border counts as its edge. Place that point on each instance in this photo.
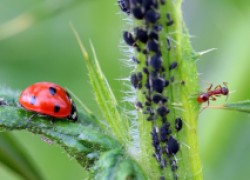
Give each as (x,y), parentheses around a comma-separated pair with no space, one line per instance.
(182,103)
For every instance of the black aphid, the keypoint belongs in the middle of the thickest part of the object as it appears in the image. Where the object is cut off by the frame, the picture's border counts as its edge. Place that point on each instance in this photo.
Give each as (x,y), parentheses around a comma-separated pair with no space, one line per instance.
(128,38)
(162,111)
(141,35)
(158,85)
(178,124)
(153,46)
(138,12)
(152,16)
(156,62)
(164,132)
(173,65)
(124,5)
(157,98)
(172,146)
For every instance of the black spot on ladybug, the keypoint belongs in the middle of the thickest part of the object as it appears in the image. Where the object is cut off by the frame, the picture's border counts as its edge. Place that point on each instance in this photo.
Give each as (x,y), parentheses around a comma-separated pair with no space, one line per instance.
(172,146)
(173,65)
(178,124)
(128,38)
(33,100)
(56,108)
(152,16)
(52,91)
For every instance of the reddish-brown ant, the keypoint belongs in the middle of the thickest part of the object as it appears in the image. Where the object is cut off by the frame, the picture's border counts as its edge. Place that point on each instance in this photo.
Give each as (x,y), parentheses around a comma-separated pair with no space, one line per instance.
(210,94)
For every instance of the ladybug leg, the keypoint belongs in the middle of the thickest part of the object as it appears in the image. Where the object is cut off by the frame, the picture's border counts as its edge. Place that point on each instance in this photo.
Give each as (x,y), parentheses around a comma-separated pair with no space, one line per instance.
(52,120)
(31,117)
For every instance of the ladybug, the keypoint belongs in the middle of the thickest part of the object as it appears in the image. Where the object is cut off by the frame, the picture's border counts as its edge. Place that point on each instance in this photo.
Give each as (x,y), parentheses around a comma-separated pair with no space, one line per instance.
(50,99)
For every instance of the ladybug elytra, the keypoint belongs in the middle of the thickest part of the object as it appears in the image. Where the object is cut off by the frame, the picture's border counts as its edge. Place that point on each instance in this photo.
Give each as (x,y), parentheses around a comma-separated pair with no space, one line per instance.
(50,99)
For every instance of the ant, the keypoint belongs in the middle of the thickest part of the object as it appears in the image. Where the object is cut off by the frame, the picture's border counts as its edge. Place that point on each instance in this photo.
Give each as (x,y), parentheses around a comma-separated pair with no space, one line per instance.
(209,95)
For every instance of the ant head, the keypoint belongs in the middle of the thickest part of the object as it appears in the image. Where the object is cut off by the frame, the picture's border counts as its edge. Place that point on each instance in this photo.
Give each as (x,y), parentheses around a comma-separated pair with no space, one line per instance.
(203,98)
(224,90)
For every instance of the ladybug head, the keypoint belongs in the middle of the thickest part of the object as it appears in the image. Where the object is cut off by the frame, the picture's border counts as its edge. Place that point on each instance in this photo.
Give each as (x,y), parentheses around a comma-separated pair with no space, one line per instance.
(73,115)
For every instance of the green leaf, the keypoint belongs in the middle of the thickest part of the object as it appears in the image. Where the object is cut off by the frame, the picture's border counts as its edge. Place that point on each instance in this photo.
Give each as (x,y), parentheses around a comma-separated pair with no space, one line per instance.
(14,157)
(84,140)
(115,165)
(104,95)
(241,106)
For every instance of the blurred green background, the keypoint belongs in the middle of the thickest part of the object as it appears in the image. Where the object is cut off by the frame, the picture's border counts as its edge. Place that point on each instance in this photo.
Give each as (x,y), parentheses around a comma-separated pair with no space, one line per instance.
(47,51)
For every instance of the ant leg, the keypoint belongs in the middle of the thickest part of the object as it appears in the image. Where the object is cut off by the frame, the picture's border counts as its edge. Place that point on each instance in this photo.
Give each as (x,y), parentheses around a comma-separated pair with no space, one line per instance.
(213,98)
(210,85)
(205,107)
(225,84)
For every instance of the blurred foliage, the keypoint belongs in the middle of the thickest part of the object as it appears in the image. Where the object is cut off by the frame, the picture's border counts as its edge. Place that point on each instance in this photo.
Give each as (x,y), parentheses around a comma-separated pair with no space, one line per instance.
(48,51)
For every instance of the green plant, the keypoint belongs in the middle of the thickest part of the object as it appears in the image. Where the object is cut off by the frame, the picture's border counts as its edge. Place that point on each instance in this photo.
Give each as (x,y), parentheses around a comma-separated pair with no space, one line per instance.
(112,152)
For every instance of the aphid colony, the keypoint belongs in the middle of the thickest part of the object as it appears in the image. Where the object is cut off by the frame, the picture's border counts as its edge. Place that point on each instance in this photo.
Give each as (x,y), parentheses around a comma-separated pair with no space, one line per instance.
(152,77)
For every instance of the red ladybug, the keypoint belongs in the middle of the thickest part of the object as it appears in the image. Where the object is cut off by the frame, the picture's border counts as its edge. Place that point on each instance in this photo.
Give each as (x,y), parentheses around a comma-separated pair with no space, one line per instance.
(47,98)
